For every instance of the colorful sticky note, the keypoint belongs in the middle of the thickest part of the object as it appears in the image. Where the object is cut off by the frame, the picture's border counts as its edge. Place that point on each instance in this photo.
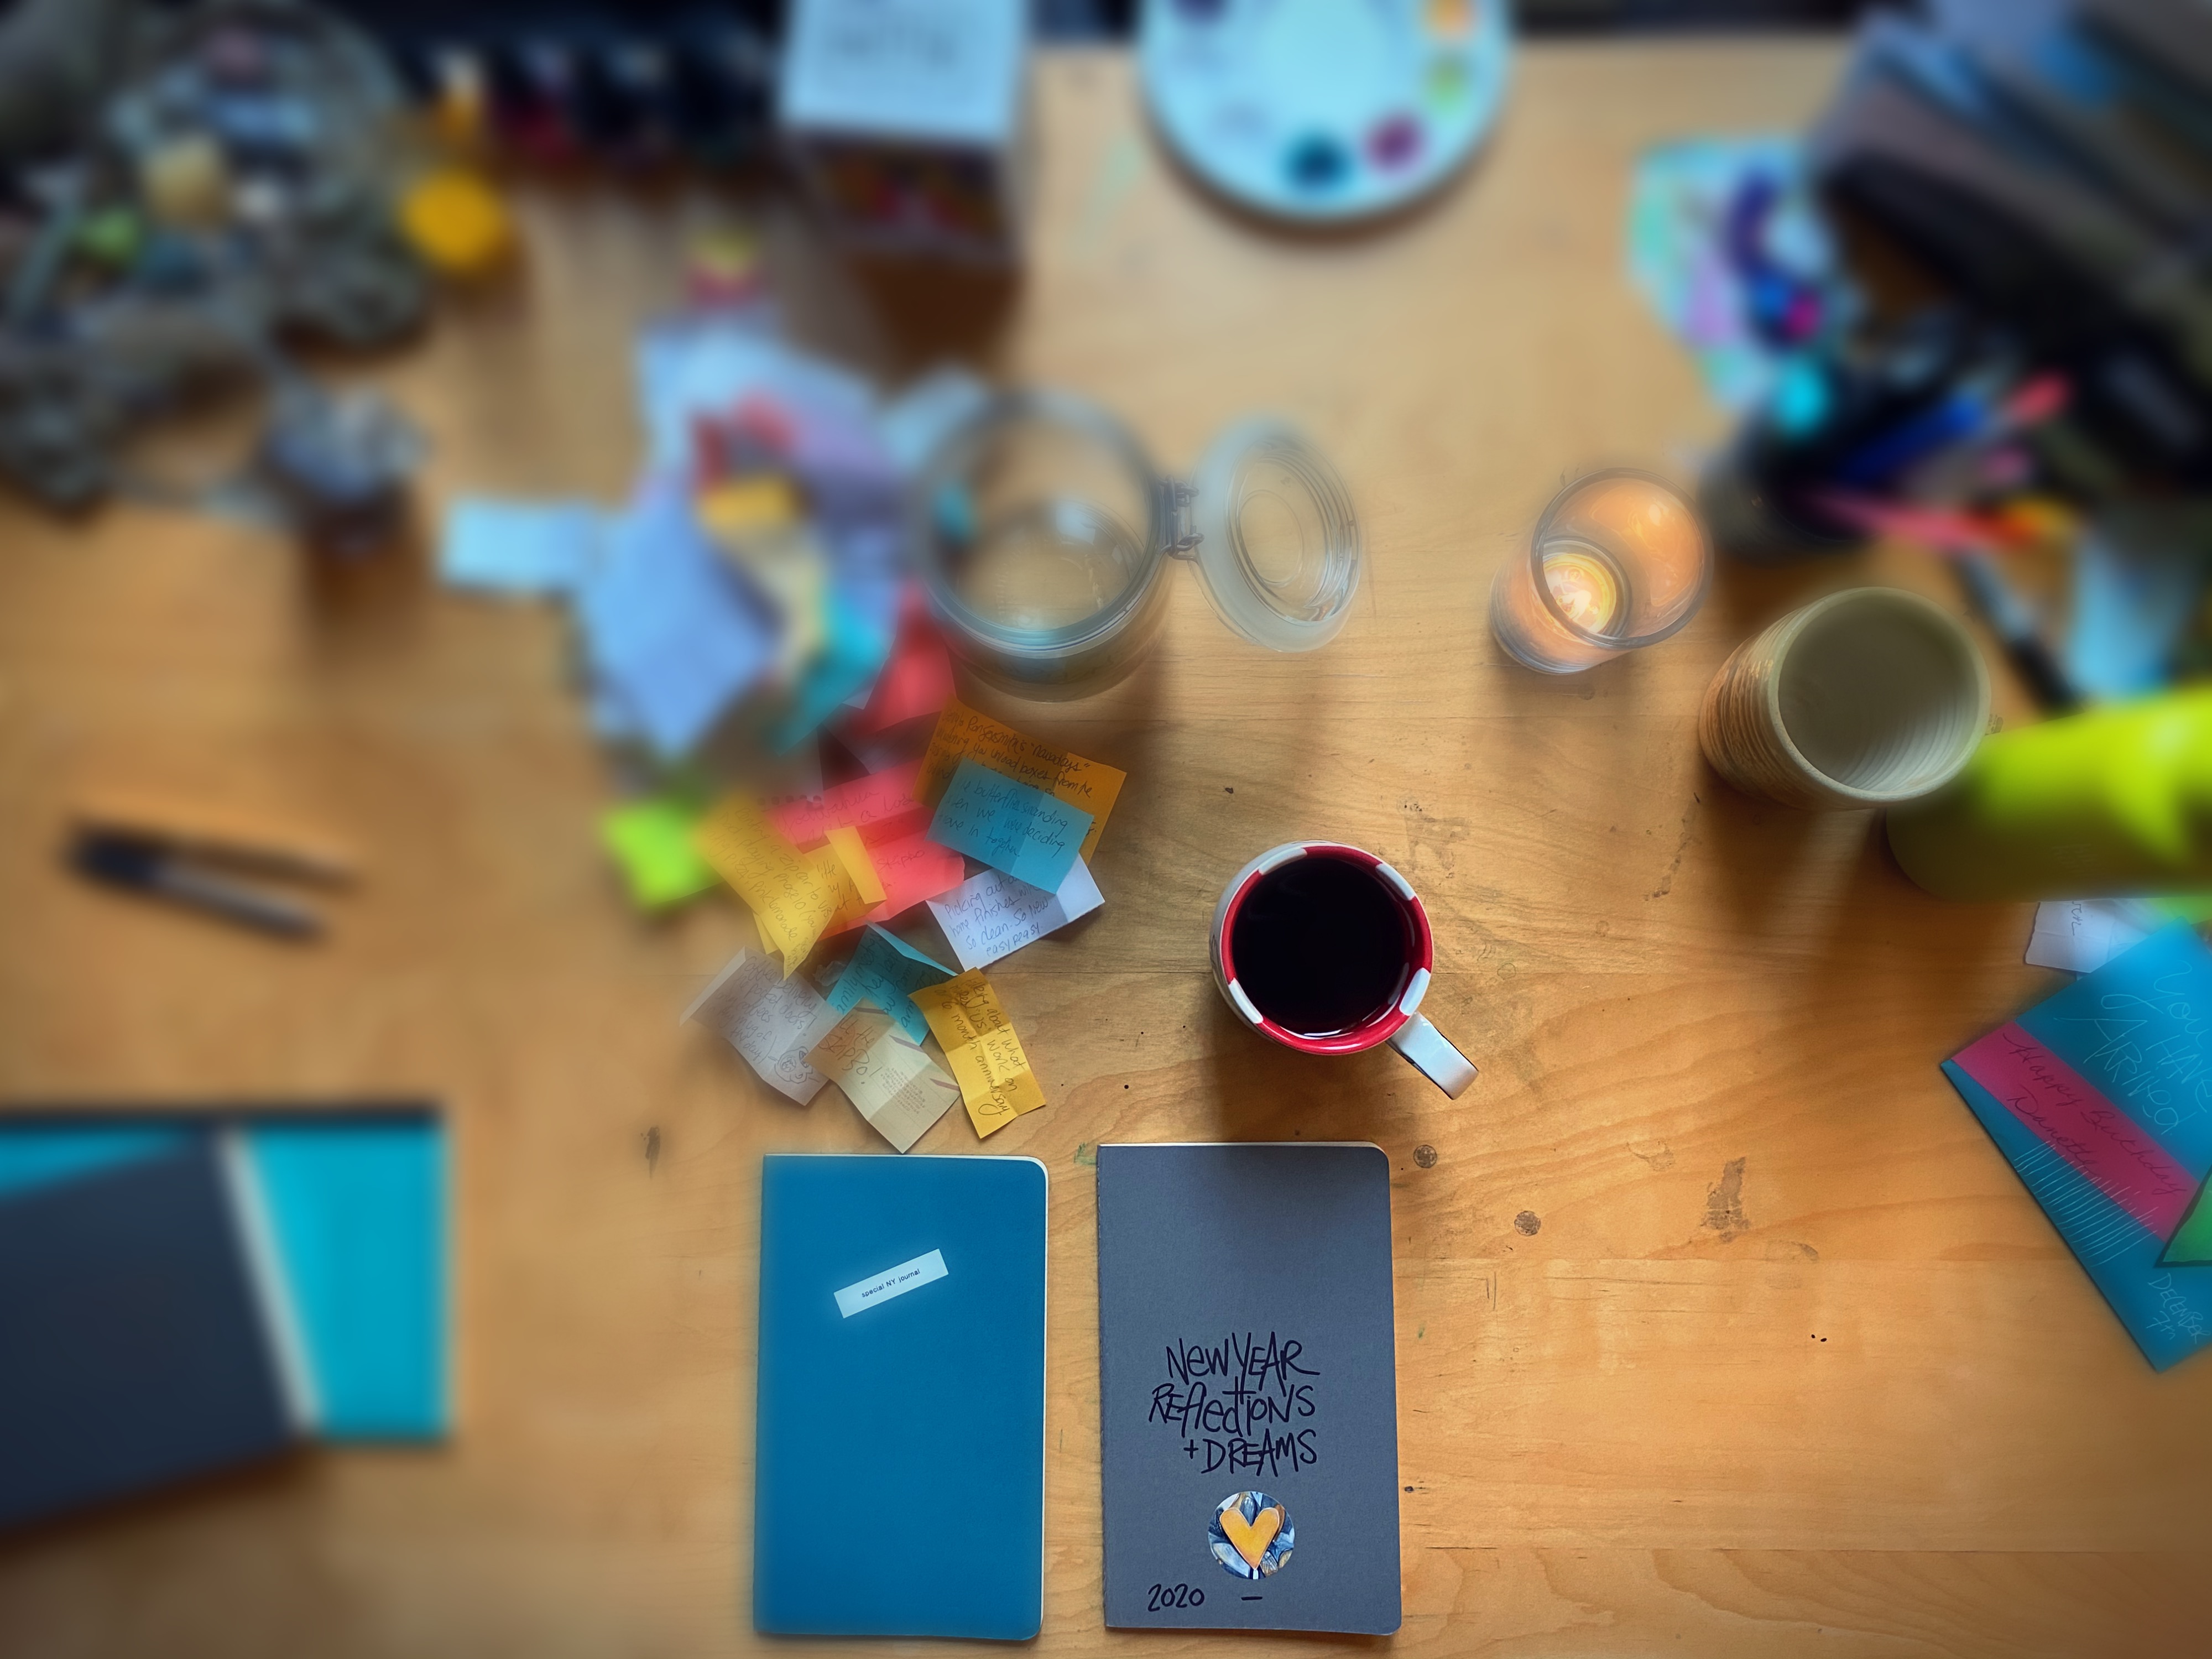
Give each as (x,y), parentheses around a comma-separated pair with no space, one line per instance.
(739,507)
(851,854)
(525,549)
(856,644)
(883,970)
(896,1086)
(794,896)
(981,1047)
(1009,826)
(885,798)
(916,681)
(2192,1243)
(913,868)
(651,841)
(671,636)
(1081,783)
(770,1020)
(991,915)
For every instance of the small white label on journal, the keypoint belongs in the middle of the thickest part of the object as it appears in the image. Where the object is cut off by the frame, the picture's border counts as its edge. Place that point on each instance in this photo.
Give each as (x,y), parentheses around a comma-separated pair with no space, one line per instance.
(907,1276)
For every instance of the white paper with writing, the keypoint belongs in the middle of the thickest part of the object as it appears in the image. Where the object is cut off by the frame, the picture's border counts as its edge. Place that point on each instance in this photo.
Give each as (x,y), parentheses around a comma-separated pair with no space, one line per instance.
(2082,935)
(993,915)
(772,1021)
(907,1276)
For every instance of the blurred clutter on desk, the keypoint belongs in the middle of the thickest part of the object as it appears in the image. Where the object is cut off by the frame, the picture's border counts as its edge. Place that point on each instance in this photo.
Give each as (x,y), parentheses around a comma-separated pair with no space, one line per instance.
(825,645)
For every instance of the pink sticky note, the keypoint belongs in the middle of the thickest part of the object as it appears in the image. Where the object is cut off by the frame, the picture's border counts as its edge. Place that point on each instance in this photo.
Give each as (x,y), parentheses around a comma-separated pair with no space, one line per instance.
(916,681)
(912,868)
(860,805)
(2068,1115)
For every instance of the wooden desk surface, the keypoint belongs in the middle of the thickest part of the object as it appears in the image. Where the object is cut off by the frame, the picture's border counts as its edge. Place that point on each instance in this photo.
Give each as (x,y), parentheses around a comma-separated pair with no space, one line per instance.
(1722,1328)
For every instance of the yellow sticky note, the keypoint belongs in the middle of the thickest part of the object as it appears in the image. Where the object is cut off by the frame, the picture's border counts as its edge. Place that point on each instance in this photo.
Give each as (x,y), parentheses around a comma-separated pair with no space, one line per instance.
(1081,783)
(981,1047)
(793,895)
(765,501)
(860,869)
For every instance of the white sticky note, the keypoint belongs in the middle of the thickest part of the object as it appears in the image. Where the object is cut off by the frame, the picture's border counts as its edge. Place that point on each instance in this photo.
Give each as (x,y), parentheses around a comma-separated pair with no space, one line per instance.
(772,1021)
(907,1276)
(993,915)
(2082,935)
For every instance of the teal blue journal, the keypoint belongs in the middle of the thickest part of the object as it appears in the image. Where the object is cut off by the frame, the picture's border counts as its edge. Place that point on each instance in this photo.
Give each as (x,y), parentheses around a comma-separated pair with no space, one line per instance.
(899,1483)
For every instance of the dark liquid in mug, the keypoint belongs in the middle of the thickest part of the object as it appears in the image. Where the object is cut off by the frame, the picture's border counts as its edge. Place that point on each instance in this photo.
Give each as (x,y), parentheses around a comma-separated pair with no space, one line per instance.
(1321,945)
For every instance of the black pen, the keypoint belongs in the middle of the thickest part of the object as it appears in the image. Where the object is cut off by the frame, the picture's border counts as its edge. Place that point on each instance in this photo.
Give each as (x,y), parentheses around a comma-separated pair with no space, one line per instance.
(147,865)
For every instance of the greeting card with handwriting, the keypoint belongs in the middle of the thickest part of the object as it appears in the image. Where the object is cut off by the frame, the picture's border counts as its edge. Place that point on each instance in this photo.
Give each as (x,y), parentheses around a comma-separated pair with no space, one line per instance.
(2101,1098)
(1248,1388)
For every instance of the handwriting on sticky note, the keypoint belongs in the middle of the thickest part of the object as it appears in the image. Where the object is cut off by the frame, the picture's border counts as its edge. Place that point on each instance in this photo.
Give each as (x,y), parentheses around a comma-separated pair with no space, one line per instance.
(1030,835)
(883,801)
(896,1086)
(912,868)
(1085,784)
(794,896)
(991,915)
(981,1047)
(772,1021)
(883,970)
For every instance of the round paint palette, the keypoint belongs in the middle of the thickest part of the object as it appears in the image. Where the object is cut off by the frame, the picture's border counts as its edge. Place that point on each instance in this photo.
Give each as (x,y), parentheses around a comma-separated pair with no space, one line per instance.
(1324,109)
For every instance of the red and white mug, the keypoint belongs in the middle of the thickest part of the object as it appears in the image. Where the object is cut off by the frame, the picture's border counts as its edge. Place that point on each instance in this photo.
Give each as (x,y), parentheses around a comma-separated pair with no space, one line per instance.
(1395,1019)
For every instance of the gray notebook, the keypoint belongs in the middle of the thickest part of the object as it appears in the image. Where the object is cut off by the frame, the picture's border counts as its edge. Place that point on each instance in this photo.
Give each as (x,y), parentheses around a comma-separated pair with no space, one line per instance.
(1249,1388)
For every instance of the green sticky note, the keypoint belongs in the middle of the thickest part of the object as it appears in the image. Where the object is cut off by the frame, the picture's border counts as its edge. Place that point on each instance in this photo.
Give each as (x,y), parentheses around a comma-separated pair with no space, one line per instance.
(651,840)
(2192,1243)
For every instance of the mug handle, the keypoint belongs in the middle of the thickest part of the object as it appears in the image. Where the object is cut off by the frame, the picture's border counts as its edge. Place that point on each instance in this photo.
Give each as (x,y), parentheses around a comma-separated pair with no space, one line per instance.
(1429,1049)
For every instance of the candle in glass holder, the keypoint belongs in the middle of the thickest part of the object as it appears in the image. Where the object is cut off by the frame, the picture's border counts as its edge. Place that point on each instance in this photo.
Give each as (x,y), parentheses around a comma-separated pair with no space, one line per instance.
(1618,561)
(1584,586)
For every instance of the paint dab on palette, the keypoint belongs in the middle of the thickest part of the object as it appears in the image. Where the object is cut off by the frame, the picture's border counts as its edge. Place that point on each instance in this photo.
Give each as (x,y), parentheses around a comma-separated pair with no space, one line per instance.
(1452,18)
(1446,83)
(1324,109)
(1395,141)
(1316,162)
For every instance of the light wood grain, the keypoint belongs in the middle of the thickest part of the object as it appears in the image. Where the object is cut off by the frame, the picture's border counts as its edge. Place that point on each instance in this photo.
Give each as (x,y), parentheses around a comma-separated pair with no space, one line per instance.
(1722,1326)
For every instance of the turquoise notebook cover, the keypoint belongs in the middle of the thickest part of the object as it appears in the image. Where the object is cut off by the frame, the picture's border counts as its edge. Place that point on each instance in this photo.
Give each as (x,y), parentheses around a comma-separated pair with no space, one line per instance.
(356,1202)
(900,1465)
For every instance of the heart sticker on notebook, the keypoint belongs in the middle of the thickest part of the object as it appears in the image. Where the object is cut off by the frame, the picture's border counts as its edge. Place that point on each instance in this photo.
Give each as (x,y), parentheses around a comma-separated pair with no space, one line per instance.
(1252,1537)
(1251,1534)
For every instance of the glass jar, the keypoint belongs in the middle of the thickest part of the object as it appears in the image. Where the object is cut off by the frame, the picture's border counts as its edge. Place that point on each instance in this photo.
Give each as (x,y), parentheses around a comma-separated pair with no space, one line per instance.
(1045,534)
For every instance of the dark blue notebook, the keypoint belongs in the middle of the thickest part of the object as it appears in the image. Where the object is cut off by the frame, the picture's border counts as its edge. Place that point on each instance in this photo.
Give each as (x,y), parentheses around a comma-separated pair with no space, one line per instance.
(1248,1388)
(353,1201)
(135,1349)
(2101,1099)
(900,1465)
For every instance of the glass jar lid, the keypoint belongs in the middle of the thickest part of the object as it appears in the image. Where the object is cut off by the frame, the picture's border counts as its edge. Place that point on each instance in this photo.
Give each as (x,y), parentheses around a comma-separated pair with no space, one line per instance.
(1277,543)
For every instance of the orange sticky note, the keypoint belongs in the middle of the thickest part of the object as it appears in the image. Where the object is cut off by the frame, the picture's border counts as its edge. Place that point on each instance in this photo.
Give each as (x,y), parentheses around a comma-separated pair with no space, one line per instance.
(980,1046)
(1085,784)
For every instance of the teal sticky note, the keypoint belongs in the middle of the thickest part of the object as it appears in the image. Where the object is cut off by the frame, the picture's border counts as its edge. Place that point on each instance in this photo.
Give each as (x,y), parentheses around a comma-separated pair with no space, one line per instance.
(886,970)
(1032,837)
(856,648)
